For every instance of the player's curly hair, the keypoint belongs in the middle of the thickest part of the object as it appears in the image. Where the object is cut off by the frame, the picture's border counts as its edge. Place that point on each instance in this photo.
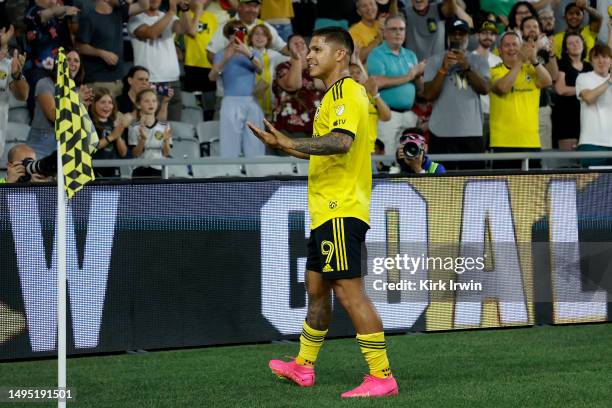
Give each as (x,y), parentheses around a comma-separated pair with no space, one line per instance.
(338,35)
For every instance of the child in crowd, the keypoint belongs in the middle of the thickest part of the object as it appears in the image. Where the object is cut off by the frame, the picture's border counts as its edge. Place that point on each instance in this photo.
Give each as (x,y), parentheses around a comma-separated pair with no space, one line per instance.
(110,125)
(148,137)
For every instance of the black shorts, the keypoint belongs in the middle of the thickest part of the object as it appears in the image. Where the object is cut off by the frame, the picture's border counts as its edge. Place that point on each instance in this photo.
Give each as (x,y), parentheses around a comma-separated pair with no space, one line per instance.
(196,79)
(335,248)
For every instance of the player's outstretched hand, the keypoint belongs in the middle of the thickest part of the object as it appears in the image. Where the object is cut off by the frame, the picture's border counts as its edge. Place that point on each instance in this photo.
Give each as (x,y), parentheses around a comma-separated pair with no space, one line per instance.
(282,141)
(272,137)
(267,138)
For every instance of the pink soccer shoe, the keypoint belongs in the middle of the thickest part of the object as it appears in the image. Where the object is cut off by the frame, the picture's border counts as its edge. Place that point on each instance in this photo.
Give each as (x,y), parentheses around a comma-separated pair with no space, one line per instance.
(302,375)
(373,387)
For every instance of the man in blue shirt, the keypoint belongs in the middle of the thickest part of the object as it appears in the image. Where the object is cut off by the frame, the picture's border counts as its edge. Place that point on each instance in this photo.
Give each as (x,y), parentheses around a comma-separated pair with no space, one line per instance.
(237,65)
(418,163)
(399,77)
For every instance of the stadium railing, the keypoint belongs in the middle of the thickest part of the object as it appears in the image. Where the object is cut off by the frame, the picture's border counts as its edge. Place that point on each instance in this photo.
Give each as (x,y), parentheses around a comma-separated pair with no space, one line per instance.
(525,158)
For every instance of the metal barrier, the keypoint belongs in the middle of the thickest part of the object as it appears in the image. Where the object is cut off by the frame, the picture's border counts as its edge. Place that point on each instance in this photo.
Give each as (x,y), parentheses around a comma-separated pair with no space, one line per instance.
(525,157)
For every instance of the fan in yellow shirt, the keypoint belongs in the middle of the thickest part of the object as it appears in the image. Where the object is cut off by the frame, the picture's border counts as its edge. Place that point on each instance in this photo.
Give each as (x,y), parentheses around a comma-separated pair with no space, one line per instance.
(201,25)
(367,32)
(516,84)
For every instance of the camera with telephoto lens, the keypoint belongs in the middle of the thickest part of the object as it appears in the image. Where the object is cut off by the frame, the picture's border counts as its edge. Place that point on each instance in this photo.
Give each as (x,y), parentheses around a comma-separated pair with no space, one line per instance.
(412,144)
(46,167)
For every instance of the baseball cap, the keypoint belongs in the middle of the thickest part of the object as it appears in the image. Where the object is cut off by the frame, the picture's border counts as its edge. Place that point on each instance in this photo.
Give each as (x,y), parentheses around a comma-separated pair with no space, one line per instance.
(488,26)
(412,134)
(459,25)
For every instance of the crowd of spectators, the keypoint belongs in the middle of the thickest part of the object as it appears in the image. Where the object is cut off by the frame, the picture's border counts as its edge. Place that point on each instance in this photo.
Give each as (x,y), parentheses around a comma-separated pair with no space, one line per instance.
(473,76)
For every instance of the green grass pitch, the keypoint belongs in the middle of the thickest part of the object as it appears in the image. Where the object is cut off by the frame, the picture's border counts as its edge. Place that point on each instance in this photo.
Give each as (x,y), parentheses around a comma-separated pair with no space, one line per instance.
(564,366)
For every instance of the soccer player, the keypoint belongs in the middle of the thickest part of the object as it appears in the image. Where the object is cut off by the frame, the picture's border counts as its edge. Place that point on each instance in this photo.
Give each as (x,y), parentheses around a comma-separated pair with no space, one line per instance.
(339,189)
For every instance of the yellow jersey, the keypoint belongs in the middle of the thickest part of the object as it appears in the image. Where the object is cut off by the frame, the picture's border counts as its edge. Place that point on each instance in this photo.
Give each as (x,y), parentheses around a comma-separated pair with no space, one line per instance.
(513,117)
(340,185)
(195,48)
(362,34)
(273,9)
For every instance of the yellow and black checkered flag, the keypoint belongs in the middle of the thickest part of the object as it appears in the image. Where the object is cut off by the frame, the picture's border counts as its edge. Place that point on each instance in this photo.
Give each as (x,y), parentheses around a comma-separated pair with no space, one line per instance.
(74,130)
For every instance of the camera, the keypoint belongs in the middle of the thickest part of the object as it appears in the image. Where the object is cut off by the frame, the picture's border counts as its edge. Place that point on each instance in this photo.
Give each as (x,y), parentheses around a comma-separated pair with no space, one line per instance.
(412,144)
(45,167)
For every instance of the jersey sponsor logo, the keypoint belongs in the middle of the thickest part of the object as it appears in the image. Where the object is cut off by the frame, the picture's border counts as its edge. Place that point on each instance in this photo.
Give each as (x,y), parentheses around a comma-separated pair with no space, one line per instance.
(339,110)
(339,122)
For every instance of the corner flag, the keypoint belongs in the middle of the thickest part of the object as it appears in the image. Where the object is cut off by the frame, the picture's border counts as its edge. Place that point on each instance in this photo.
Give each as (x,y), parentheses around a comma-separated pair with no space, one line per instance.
(74,130)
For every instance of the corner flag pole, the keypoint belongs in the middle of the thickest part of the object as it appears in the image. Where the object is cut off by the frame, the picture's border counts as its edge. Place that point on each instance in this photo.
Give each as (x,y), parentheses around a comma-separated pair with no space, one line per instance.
(61,278)
(76,142)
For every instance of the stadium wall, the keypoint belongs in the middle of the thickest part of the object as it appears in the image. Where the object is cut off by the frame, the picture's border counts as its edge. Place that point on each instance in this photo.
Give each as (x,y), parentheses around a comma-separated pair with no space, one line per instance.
(205,262)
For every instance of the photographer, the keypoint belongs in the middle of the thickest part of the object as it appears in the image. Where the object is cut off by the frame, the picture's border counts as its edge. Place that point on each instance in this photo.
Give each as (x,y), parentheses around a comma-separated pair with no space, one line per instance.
(411,157)
(16,171)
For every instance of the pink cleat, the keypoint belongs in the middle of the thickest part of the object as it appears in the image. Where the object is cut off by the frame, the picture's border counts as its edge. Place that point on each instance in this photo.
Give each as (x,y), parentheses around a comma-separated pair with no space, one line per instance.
(302,375)
(374,387)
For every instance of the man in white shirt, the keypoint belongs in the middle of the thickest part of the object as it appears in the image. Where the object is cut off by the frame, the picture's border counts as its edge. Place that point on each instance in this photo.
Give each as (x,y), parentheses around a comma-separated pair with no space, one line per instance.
(11,80)
(594,90)
(152,39)
(487,38)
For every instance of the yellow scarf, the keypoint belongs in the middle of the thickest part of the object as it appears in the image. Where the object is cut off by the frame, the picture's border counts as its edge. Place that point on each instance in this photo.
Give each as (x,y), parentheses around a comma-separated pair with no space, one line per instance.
(264,95)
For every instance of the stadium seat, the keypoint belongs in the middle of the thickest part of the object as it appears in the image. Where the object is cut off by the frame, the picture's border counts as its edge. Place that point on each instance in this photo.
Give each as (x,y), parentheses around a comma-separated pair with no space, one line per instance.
(269,169)
(184,146)
(16,103)
(19,115)
(7,147)
(189,100)
(178,171)
(18,110)
(192,111)
(182,130)
(192,115)
(302,167)
(218,170)
(125,171)
(208,135)
(17,132)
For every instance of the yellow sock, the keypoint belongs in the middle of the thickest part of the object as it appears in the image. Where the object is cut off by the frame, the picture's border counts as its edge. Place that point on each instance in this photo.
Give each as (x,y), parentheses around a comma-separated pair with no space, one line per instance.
(311,341)
(374,349)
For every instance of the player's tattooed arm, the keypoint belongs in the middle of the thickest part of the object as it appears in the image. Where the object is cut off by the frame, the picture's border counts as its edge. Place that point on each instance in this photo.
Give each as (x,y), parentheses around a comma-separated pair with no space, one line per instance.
(295,153)
(331,143)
